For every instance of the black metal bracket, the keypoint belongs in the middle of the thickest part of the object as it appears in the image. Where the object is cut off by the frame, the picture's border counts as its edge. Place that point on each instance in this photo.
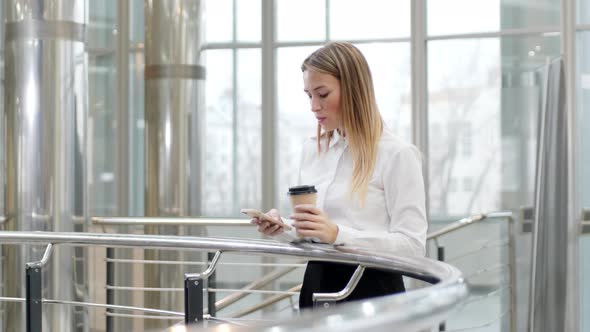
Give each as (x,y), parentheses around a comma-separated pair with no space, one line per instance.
(34,300)
(193,300)
(193,292)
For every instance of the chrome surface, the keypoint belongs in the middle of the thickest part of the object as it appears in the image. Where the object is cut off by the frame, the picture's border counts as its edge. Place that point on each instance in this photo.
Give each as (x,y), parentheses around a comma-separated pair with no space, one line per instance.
(171,221)
(585,223)
(209,271)
(175,71)
(411,311)
(419,83)
(125,166)
(45,119)
(468,221)
(12,299)
(172,134)
(551,251)
(420,268)
(269,166)
(143,261)
(44,259)
(38,29)
(347,290)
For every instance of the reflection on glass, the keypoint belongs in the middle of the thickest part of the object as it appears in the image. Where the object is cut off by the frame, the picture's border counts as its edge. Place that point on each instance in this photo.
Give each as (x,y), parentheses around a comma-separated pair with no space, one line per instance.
(295,120)
(390,67)
(232,140)
(102,28)
(466,16)
(302,20)
(218,141)
(248,20)
(247,176)
(136,21)
(218,21)
(583,11)
(137,131)
(369,19)
(102,78)
(484,96)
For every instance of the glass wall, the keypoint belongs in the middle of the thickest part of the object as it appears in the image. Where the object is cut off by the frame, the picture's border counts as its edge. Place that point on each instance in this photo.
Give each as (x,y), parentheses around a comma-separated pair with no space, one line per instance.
(232,117)
(232,143)
(464,16)
(102,96)
(381,31)
(484,95)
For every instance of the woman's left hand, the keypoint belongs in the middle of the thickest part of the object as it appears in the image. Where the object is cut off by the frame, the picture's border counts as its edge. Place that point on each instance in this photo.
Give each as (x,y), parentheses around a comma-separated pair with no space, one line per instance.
(312,222)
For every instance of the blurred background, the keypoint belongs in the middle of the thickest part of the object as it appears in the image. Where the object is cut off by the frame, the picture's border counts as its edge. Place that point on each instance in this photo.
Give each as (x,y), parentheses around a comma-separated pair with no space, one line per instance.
(461,79)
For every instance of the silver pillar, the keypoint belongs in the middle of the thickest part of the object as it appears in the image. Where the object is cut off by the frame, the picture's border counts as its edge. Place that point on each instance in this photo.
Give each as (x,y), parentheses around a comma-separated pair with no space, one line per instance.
(550,271)
(45,109)
(173,76)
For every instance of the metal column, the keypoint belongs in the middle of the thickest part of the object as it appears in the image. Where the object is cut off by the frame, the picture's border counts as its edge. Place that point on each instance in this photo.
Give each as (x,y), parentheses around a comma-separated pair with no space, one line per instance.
(172,89)
(45,112)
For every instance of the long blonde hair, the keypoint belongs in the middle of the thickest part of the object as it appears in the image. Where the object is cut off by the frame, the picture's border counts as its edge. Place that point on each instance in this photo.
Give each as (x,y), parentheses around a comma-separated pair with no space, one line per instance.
(361,120)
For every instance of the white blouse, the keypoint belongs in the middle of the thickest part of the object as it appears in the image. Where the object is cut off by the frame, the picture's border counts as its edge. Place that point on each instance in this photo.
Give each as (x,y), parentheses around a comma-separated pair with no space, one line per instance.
(393,217)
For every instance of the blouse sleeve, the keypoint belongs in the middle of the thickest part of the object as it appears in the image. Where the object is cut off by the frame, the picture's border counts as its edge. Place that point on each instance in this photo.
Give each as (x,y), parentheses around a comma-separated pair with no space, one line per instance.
(405,202)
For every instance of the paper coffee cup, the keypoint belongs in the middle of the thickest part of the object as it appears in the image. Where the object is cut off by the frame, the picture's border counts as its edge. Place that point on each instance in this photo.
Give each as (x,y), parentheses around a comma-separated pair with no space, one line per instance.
(302,195)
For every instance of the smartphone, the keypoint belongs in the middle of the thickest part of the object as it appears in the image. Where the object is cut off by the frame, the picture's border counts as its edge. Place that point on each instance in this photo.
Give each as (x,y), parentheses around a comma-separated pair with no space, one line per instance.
(253,213)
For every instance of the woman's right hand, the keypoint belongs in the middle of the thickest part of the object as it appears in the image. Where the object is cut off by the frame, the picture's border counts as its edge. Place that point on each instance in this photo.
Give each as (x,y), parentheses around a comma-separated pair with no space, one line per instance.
(266,227)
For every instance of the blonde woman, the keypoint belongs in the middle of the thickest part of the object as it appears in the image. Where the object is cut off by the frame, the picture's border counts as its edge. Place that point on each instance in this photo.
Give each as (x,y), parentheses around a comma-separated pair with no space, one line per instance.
(369,182)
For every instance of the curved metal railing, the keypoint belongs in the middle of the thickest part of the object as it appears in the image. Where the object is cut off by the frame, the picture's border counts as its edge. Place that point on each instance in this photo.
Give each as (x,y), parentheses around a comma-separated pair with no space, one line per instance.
(448,229)
(410,311)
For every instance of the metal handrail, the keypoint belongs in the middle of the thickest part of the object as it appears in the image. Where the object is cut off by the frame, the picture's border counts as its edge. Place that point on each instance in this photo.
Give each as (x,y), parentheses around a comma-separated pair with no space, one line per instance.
(270,301)
(209,271)
(168,221)
(468,221)
(421,308)
(166,262)
(230,299)
(347,290)
(44,259)
(198,221)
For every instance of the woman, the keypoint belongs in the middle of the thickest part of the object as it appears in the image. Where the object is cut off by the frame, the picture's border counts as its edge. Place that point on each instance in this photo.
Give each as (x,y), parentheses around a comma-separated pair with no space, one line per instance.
(370,186)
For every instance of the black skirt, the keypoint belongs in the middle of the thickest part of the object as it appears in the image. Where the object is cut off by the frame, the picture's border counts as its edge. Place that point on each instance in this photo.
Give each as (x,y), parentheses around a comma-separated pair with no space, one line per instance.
(327,277)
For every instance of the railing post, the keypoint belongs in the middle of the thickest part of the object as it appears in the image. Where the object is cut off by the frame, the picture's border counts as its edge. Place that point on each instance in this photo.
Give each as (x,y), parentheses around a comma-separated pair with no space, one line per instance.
(440,255)
(512,271)
(193,292)
(110,296)
(325,300)
(33,298)
(211,298)
(193,299)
